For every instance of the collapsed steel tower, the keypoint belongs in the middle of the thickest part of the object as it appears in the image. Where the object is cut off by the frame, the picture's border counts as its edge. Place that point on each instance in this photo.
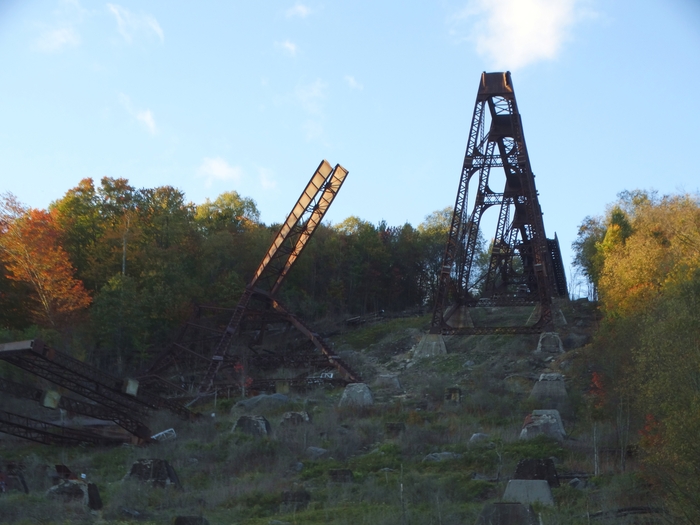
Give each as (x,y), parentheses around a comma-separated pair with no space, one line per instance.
(525,268)
(220,348)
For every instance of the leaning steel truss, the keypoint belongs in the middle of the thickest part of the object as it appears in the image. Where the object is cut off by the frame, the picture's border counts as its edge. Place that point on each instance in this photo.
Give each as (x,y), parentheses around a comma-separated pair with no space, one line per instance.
(525,268)
(222,348)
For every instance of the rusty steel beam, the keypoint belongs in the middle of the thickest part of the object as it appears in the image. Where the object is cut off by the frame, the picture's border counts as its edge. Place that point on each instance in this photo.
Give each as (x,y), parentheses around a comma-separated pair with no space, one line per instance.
(50,434)
(63,370)
(288,244)
(496,140)
(76,406)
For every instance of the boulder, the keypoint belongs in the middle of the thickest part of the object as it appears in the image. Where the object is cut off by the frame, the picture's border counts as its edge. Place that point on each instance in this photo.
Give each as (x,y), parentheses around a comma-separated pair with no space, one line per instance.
(256,426)
(356,394)
(507,514)
(76,490)
(315,453)
(528,491)
(295,418)
(388,382)
(537,469)
(157,472)
(478,437)
(442,456)
(263,402)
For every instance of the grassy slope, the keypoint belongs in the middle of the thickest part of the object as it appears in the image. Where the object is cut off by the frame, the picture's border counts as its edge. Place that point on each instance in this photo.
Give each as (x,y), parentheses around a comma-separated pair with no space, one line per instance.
(233,478)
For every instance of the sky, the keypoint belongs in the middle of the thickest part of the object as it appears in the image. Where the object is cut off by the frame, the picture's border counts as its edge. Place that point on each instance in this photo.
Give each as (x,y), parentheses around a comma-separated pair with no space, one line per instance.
(214,96)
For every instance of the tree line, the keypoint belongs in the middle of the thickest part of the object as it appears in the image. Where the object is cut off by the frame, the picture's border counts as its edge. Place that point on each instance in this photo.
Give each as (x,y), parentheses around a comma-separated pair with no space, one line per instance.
(643,261)
(111,271)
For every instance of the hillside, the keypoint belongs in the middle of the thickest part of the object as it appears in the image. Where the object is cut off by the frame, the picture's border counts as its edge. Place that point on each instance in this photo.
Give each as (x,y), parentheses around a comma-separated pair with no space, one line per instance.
(407,458)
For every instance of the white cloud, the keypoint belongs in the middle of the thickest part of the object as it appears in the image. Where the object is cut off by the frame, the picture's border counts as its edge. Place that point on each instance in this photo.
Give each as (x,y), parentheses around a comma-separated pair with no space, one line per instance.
(129,23)
(63,32)
(354,84)
(217,169)
(288,47)
(144,116)
(299,10)
(57,39)
(266,179)
(311,96)
(512,34)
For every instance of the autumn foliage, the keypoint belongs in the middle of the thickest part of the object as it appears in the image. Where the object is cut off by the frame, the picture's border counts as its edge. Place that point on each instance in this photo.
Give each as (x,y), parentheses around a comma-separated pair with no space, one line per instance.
(31,252)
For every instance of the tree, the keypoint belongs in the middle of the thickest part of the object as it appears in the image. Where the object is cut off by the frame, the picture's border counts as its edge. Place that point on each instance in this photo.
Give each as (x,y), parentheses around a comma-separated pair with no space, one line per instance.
(29,245)
(229,211)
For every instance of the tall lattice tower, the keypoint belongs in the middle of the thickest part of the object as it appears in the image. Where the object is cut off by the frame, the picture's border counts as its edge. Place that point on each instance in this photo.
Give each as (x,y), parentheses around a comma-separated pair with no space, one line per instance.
(525,268)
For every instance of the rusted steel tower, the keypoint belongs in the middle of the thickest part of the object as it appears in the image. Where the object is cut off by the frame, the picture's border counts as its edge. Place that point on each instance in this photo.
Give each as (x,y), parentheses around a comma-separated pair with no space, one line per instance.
(211,353)
(525,268)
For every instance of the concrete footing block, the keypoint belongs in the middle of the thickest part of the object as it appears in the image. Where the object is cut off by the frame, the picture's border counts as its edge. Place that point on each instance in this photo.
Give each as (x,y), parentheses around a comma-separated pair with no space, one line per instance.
(528,491)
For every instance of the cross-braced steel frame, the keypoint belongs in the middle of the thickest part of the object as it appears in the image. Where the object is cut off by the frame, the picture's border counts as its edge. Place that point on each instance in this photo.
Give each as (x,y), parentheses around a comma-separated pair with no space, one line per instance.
(194,363)
(524,267)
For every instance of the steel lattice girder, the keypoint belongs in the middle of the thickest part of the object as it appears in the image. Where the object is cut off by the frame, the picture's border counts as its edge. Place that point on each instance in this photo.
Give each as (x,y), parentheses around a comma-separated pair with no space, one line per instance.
(76,376)
(76,406)
(284,250)
(520,228)
(203,343)
(48,433)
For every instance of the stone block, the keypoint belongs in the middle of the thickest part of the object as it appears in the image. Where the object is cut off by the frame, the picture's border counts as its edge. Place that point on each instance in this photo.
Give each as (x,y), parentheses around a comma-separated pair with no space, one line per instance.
(256,426)
(157,472)
(528,491)
(356,394)
(430,345)
(537,469)
(550,343)
(543,422)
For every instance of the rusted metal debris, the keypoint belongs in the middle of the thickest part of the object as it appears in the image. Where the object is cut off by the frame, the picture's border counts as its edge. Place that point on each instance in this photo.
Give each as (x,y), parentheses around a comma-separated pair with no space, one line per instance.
(525,268)
(219,349)
(102,397)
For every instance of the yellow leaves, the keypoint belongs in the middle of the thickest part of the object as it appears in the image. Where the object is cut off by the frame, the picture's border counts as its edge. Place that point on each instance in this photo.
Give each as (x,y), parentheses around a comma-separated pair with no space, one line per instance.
(642,255)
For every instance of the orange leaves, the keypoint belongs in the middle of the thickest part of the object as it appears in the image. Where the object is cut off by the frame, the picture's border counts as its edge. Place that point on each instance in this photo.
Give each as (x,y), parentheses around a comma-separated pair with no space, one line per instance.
(30,249)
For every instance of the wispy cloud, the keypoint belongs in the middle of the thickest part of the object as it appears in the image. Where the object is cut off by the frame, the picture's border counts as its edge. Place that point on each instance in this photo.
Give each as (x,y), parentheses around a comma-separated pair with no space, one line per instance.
(217,169)
(512,34)
(311,96)
(354,84)
(266,179)
(144,116)
(299,10)
(63,33)
(57,39)
(288,47)
(129,24)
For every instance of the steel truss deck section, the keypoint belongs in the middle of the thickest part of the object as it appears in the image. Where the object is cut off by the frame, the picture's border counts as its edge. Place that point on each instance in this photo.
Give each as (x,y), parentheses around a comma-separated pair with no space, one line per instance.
(76,406)
(523,265)
(78,377)
(50,434)
(203,347)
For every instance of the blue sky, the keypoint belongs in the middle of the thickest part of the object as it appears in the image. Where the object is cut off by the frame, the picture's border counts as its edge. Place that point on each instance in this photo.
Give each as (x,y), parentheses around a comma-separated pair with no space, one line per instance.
(250,96)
